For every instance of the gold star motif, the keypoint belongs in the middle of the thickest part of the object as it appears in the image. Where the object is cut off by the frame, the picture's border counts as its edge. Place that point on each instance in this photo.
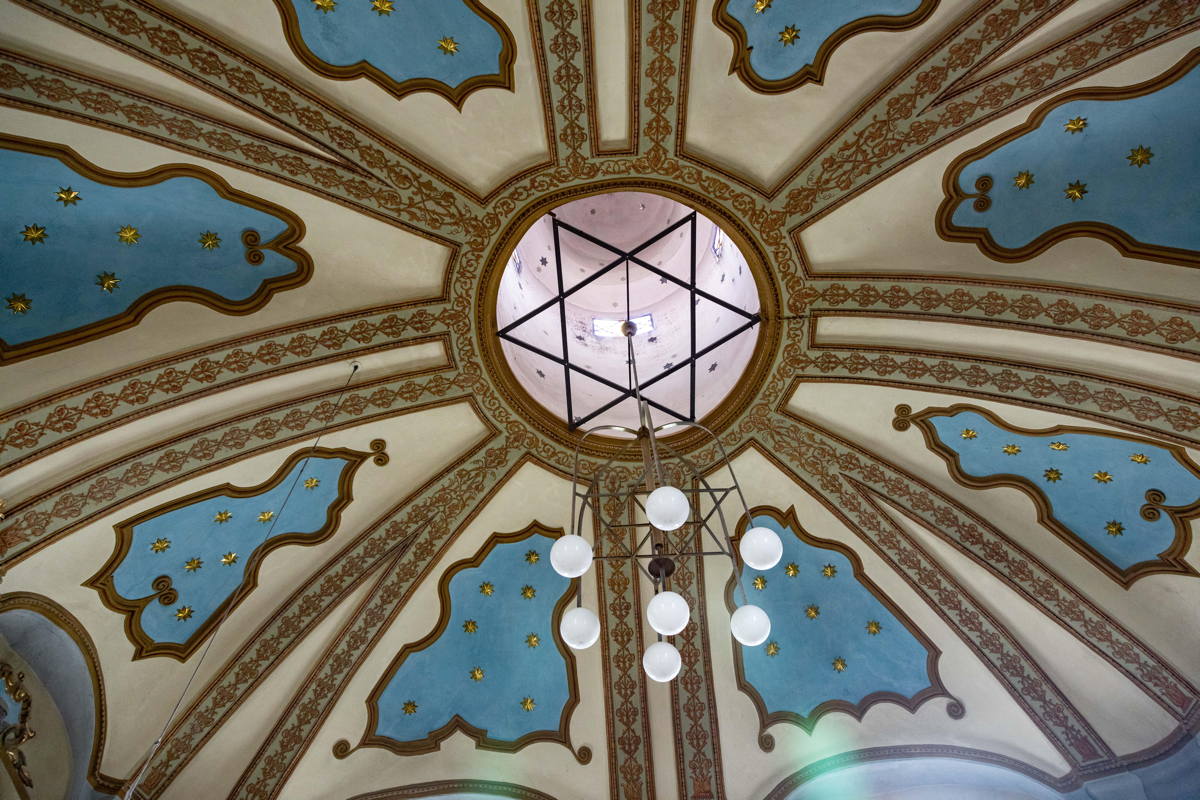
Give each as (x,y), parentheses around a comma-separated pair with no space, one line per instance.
(229,559)
(528,704)
(829,571)
(1075,191)
(528,592)
(762,5)
(476,673)
(1140,458)
(486,588)
(266,516)
(470,626)
(839,664)
(182,613)
(108,281)
(325,6)
(382,7)
(759,583)
(873,627)
(67,196)
(788,35)
(447,45)
(533,640)
(1139,156)
(209,240)
(34,234)
(1060,446)
(18,303)
(222,517)
(792,569)
(1102,477)
(128,235)
(1075,125)
(409,707)
(160,545)
(812,612)
(772,649)
(1114,528)
(193,564)
(312,483)
(1053,475)
(1011,449)
(968,433)
(1023,179)
(532,557)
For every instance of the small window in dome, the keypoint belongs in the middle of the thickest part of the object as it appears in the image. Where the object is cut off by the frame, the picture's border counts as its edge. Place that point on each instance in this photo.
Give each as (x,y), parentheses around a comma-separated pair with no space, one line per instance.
(611,328)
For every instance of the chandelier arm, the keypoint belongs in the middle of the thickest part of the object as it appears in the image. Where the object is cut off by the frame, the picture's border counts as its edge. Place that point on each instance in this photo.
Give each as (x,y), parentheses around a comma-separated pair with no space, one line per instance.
(575,470)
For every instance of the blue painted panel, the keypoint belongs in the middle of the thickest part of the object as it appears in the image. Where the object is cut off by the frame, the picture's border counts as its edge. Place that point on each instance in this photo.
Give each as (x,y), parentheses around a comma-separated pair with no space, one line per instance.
(59,274)
(801,676)
(193,532)
(1078,501)
(403,44)
(437,678)
(1154,204)
(817,20)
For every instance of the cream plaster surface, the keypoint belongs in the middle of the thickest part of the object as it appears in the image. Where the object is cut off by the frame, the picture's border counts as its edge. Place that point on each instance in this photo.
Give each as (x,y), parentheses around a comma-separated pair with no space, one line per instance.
(462,144)
(48,754)
(358,262)
(762,137)
(612,37)
(530,493)
(877,232)
(1072,19)
(1158,609)
(149,687)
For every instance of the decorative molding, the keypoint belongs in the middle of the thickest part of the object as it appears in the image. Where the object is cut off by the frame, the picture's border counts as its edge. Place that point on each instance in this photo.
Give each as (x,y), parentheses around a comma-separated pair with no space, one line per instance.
(1123,242)
(452,787)
(455,95)
(1171,561)
(286,244)
(813,72)
(16,732)
(103,581)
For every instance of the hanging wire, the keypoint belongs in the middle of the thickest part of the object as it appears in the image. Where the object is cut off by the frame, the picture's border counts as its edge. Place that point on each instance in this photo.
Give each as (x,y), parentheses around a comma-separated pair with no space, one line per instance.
(131,793)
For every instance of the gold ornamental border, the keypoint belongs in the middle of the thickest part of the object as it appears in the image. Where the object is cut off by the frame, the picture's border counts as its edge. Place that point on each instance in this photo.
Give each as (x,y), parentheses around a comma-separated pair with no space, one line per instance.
(285,244)
(726,412)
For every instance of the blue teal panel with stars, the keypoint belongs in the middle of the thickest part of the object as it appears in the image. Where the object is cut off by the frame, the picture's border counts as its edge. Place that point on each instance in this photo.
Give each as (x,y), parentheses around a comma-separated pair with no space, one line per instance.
(403,43)
(815,22)
(1094,483)
(1135,158)
(794,671)
(433,684)
(224,549)
(66,268)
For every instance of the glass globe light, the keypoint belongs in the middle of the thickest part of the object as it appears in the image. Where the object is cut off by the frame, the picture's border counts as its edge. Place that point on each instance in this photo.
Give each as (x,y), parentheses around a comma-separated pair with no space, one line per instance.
(761,548)
(750,625)
(667,508)
(661,661)
(579,628)
(668,613)
(571,556)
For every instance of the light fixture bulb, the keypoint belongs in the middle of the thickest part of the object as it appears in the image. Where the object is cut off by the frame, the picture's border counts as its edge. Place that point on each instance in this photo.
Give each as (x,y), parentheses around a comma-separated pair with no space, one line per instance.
(579,628)
(668,613)
(571,556)
(661,661)
(761,548)
(750,625)
(667,508)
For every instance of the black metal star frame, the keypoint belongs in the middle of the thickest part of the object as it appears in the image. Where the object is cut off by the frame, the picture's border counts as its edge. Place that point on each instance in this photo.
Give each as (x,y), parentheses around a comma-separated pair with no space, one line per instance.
(622,260)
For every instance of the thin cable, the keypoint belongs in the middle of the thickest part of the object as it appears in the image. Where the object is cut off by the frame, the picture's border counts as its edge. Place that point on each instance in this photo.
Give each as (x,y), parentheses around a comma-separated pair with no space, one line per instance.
(130,794)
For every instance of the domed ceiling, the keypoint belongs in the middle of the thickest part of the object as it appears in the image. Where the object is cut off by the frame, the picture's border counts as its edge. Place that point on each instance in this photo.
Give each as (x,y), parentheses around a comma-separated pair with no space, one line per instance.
(278,511)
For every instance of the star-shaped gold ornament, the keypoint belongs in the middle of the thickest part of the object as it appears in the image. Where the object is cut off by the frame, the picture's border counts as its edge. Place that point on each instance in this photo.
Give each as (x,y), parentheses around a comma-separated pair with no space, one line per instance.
(1140,458)
(533,640)
(409,707)
(1011,449)
(311,483)
(128,235)
(193,564)
(527,704)
(759,583)
(476,673)
(1114,528)
(1053,475)
(266,516)
(532,557)
(486,588)
(829,571)
(325,6)
(107,281)
(18,303)
(788,35)
(222,517)
(812,612)
(762,5)
(229,559)
(1075,191)
(160,545)
(67,196)
(839,664)
(447,45)
(873,627)
(1023,179)
(1059,446)
(1139,156)
(182,613)
(470,626)
(209,240)
(1075,125)
(1102,477)
(772,649)
(34,234)
(382,7)
(528,592)
(792,569)
(968,433)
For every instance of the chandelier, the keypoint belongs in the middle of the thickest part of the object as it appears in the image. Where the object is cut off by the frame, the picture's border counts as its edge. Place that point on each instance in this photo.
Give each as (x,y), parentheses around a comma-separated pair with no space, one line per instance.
(666,522)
